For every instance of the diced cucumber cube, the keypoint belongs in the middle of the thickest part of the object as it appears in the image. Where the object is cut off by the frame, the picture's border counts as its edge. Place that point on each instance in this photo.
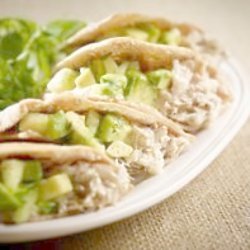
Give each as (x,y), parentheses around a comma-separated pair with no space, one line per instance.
(22,214)
(161,78)
(23,189)
(62,80)
(153,32)
(85,78)
(111,90)
(134,65)
(55,186)
(119,149)
(97,67)
(137,34)
(35,122)
(32,171)
(58,126)
(51,126)
(8,201)
(115,79)
(172,37)
(12,173)
(142,92)
(80,134)
(47,207)
(139,89)
(113,128)
(122,68)
(92,121)
(110,65)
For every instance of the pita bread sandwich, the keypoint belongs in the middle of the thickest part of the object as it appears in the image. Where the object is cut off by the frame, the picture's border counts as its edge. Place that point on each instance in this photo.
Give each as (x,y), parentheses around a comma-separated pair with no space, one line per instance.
(135,136)
(41,181)
(146,28)
(174,80)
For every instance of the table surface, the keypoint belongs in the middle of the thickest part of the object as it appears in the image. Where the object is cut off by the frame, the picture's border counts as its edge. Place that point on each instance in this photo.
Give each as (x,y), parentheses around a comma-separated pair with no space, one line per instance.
(213,211)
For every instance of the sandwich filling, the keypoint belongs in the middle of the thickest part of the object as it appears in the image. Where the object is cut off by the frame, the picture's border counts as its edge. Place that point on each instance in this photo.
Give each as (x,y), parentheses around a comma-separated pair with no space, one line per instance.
(142,149)
(190,97)
(34,190)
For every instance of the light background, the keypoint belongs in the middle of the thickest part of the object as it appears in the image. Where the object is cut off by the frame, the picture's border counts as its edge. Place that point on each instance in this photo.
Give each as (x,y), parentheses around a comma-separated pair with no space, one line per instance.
(227,20)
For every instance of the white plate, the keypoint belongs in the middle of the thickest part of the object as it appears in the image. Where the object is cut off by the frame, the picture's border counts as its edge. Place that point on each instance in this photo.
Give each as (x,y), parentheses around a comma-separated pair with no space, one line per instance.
(205,149)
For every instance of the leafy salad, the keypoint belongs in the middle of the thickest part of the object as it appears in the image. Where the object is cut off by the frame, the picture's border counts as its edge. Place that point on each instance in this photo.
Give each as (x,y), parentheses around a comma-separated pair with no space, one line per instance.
(27,54)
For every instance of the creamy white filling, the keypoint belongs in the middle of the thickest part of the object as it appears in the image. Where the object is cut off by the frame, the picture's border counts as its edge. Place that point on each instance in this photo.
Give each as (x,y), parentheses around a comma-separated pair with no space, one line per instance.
(153,148)
(193,99)
(95,186)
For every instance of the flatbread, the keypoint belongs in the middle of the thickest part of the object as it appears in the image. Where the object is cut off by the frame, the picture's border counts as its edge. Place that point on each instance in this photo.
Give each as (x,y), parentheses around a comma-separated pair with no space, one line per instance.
(103,181)
(96,30)
(150,56)
(56,154)
(69,101)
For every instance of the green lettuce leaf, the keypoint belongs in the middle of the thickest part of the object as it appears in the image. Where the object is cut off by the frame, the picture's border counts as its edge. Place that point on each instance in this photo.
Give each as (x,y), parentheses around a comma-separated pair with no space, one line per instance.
(28,52)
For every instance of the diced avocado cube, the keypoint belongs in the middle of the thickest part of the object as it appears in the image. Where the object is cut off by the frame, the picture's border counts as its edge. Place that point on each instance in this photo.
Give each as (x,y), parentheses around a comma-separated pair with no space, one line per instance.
(80,134)
(22,214)
(85,78)
(110,65)
(47,207)
(58,126)
(62,80)
(137,34)
(172,37)
(36,122)
(115,79)
(161,78)
(92,121)
(98,69)
(12,173)
(8,201)
(32,171)
(55,186)
(113,128)
(119,149)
